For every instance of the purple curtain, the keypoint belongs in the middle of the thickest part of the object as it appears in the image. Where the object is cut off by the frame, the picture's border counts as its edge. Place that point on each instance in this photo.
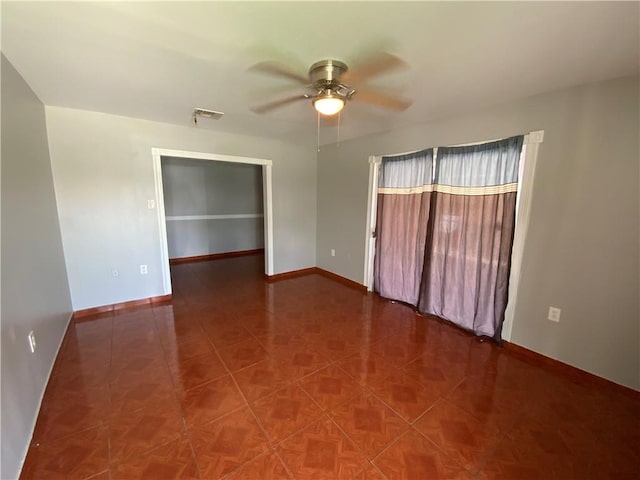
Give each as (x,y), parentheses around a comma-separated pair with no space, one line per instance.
(469,220)
(404,195)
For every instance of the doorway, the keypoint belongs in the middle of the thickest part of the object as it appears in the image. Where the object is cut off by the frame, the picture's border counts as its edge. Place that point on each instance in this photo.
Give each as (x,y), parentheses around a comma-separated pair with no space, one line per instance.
(158,153)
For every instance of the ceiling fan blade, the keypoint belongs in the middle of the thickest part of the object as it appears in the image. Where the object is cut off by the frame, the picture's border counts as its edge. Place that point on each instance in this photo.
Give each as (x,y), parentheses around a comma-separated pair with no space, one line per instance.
(280,70)
(376,65)
(381,99)
(272,91)
(278,103)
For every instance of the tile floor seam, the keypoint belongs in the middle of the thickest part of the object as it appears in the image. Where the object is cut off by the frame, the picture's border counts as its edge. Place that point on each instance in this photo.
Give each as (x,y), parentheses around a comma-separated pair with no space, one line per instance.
(213,420)
(378,397)
(388,445)
(95,475)
(193,453)
(211,340)
(146,451)
(488,455)
(319,419)
(378,471)
(393,440)
(293,434)
(206,382)
(236,468)
(440,449)
(231,473)
(109,448)
(419,417)
(447,456)
(253,413)
(491,453)
(284,464)
(102,423)
(215,349)
(301,387)
(298,379)
(188,439)
(504,431)
(364,454)
(173,384)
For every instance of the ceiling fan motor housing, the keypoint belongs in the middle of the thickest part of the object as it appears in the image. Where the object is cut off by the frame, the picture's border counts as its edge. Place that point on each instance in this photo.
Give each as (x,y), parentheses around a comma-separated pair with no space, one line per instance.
(326,73)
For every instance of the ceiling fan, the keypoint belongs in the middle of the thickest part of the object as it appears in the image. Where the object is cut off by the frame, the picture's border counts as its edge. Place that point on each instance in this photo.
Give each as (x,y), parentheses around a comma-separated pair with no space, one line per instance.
(330,84)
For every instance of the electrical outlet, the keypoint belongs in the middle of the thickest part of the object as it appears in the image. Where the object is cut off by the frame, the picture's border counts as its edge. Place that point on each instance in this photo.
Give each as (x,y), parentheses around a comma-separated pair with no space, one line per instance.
(32,341)
(333,252)
(115,273)
(151,204)
(554,314)
(143,270)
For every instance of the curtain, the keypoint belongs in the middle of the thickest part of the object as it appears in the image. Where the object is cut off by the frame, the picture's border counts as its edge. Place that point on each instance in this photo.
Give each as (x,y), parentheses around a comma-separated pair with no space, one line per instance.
(470,234)
(444,242)
(404,194)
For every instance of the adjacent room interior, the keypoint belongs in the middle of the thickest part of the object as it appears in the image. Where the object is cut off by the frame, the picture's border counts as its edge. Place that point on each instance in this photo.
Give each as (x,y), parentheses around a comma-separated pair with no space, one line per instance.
(212,209)
(187,240)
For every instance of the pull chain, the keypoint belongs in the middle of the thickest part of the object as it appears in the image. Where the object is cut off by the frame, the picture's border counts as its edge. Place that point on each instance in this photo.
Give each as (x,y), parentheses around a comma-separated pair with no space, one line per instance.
(338,137)
(318,141)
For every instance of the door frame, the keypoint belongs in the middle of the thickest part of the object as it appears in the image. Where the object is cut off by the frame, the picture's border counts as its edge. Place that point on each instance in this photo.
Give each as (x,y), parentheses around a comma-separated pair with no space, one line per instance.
(528,160)
(267,200)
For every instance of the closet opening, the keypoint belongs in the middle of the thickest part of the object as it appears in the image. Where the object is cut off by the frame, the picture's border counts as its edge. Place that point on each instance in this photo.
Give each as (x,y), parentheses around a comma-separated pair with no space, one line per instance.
(211,206)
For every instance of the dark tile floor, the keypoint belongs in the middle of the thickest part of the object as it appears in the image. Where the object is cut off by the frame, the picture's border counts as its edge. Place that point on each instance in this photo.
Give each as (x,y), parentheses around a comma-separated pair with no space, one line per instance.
(306,378)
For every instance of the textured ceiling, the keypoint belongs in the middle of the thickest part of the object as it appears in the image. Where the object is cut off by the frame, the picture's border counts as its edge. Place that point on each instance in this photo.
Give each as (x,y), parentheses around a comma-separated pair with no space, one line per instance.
(159,60)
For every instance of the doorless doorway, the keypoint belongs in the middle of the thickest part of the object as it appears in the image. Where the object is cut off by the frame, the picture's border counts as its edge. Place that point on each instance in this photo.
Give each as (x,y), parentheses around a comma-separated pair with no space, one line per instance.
(158,153)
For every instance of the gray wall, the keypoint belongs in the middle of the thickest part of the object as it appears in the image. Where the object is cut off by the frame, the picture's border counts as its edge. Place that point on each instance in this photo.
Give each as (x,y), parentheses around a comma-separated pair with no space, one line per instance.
(103,173)
(35,293)
(201,187)
(582,249)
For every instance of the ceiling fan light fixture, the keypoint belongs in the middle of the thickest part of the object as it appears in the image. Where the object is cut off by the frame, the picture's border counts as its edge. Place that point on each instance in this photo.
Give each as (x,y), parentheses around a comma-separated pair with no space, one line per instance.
(330,84)
(328,103)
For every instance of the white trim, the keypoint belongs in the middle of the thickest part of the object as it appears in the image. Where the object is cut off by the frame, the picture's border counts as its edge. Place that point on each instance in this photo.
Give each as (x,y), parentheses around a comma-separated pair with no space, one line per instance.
(162,224)
(234,216)
(267,192)
(167,152)
(267,165)
(529,157)
(372,205)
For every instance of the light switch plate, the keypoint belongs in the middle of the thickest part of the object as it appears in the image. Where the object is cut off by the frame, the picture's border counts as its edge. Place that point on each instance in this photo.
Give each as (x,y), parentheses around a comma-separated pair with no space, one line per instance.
(554,314)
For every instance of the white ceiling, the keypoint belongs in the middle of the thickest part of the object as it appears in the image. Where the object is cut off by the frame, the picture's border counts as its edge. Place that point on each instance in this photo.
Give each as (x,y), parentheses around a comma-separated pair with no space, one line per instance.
(159,60)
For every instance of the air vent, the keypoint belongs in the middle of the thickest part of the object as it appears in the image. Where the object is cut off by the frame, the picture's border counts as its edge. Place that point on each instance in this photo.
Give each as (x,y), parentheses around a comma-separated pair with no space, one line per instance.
(204,113)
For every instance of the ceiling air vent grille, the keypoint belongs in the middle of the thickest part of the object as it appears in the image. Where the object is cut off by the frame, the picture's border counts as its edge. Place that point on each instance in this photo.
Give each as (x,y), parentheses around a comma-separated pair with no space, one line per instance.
(204,113)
